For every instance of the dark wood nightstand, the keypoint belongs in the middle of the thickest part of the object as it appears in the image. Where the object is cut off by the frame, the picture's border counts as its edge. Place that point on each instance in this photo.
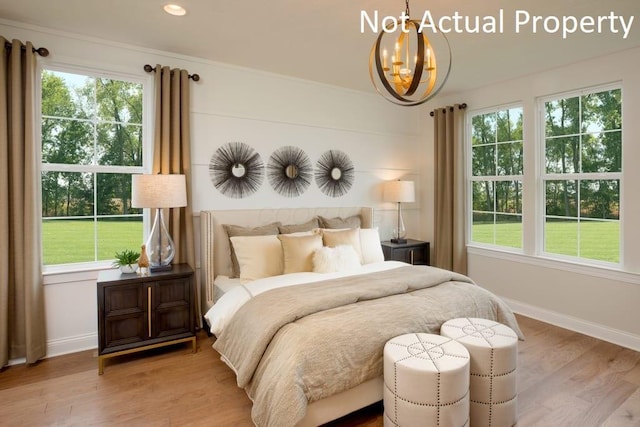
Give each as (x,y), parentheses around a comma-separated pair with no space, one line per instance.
(413,252)
(137,313)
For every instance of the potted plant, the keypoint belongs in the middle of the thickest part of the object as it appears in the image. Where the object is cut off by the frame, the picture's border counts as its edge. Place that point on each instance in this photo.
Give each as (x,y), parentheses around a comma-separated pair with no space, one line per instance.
(127,261)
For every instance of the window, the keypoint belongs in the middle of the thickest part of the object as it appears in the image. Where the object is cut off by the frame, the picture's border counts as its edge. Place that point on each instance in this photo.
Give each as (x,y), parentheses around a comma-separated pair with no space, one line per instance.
(582,174)
(496,177)
(92,141)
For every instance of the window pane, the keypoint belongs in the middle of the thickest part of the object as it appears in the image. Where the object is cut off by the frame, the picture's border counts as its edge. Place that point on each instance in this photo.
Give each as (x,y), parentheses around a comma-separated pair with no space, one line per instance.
(483,129)
(562,198)
(114,194)
(483,196)
(508,196)
(118,234)
(483,228)
(509,230)
(562,155)
(562,117)
(67,95)
(119,101)
(484,161)
(509,125)
(67,194)
(600,199)
(119,145)
(561,236)
(602,111)
(67,141)
(68,240)
(600,240)
(510,158)
(602,152)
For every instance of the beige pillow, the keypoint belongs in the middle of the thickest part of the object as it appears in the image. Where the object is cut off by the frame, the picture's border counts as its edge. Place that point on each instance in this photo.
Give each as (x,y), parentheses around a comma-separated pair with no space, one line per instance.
(258,256)
(296,228)
(370,246)
(351,222)
(297,252)
(236,230)
(351,237)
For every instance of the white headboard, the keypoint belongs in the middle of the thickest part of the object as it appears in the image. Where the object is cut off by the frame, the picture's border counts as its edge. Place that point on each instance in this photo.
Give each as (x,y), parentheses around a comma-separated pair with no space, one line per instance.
(215,252)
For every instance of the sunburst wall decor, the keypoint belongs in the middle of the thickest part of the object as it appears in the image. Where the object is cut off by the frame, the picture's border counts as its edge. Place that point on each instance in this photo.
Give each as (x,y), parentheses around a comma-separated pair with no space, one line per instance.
(289,171)
(236,170)
(334,173)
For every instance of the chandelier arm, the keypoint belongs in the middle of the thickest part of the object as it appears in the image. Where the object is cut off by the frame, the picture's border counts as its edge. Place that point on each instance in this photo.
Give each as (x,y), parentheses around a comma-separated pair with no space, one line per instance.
(417,75)
(383,78)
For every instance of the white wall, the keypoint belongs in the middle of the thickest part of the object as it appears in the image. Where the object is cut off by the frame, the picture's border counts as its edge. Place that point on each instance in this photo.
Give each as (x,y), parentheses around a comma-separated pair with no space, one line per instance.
(264,110)
(596,301)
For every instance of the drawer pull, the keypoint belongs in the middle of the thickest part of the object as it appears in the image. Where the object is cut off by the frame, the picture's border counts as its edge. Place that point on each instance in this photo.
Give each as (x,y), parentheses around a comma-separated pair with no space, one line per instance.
(411,253)
(149,310)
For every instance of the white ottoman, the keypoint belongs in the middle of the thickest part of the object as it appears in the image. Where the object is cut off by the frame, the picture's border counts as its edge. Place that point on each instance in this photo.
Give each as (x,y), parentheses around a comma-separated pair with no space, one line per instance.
(426,381)
(494,356)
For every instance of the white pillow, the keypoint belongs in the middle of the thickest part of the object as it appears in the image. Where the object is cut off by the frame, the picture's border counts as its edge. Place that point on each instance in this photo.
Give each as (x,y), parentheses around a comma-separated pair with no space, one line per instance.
(258,256)
(370,246)
(346,236)
(335,259)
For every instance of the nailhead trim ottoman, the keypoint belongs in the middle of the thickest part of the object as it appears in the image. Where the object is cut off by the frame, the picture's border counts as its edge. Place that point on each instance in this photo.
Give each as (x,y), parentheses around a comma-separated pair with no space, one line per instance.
(426,381)
(493,348)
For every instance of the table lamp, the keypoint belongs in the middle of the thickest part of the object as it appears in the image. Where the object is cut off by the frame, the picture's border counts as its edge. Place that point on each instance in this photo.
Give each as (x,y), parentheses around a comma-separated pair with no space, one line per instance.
(399,192)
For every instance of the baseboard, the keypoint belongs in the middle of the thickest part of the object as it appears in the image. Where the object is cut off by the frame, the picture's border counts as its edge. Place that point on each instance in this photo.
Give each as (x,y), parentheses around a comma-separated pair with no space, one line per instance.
(605,333)
(71,344)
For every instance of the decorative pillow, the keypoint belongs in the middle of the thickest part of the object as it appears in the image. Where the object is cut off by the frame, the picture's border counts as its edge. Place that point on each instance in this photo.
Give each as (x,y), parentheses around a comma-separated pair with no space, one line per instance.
(370,246)
(351,236)
(351,222)
(337,259)
(236,230)
(296,228)
(258,256)
(298,251)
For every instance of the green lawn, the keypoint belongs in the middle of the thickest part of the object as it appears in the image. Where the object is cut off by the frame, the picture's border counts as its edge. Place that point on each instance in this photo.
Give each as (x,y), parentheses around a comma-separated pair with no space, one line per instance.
(599,240)
(71,241)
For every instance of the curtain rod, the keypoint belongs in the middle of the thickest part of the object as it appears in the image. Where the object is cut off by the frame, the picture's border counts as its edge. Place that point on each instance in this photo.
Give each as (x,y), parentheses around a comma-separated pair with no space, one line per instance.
(42,51)
(460,107)
(148,68)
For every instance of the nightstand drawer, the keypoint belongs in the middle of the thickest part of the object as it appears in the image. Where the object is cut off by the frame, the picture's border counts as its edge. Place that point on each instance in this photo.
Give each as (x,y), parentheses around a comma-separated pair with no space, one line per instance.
(413,252)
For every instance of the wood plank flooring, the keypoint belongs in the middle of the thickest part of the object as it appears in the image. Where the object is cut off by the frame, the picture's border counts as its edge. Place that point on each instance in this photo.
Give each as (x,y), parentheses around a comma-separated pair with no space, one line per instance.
(564,379)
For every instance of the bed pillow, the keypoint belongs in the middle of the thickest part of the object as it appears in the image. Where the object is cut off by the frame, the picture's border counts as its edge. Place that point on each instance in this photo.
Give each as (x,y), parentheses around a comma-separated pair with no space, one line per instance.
(236,230)
(370,246)
(297,251)
(296,228)
(258,256)
(351,222)
(336,259)
(350,236)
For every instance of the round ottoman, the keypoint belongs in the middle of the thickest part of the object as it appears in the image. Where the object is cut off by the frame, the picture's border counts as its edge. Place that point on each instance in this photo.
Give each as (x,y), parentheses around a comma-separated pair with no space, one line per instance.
(426,381)
(493,348)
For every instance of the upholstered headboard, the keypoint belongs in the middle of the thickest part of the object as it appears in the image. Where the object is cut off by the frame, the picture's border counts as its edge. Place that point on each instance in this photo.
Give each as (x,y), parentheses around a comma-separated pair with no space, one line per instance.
(215,251)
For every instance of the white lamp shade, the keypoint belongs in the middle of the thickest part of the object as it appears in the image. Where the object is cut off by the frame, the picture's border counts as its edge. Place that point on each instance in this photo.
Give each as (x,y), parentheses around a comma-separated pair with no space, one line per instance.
(158,191)
(399,191)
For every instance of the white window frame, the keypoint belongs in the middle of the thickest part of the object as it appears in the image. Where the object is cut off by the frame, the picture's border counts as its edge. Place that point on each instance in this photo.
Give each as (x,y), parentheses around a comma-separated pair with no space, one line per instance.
(147,145)
(470,179)
(543,176)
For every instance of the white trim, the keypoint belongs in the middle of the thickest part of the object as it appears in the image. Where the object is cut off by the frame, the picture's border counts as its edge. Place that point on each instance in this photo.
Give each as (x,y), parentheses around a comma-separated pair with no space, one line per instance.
(600,271)
(72,344)
(582,326)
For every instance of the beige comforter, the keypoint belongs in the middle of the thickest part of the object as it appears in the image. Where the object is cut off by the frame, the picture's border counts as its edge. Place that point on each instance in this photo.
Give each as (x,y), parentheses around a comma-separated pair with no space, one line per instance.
(299,344)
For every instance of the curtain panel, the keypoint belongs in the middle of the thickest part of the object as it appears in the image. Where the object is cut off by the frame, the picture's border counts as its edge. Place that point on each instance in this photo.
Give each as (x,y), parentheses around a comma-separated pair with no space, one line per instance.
(22,322)
(450,250)
(172,154)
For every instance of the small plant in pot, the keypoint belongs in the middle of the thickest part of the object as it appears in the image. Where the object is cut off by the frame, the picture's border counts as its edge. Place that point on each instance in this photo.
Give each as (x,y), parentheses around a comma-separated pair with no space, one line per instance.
(127,261)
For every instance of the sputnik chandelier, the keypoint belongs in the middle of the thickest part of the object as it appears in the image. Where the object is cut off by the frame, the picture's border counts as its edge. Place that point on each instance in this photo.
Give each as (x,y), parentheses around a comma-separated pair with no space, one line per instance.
(402,64)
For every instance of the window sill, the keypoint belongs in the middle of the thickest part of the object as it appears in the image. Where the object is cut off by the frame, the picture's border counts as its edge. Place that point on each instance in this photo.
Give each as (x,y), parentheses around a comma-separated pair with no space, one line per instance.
(605,272)
(68,273)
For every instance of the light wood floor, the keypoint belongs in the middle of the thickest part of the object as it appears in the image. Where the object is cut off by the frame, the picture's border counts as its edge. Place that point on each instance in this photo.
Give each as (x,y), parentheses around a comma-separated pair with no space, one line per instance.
(564,379)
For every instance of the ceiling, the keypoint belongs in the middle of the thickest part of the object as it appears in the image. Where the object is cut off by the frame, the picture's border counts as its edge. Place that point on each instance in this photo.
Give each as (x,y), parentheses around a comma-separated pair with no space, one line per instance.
(321,40)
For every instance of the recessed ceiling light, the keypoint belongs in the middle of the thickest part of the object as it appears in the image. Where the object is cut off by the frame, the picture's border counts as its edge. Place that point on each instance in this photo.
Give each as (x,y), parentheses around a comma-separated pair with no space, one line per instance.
(174,9)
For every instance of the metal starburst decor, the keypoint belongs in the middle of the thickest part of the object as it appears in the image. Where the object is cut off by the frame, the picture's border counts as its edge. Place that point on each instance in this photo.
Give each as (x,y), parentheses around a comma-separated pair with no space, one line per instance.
(334,173)
(289,171)
(236,170)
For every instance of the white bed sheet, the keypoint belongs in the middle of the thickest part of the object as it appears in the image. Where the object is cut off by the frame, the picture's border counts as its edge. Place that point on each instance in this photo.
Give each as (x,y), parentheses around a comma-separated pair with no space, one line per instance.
(221,312)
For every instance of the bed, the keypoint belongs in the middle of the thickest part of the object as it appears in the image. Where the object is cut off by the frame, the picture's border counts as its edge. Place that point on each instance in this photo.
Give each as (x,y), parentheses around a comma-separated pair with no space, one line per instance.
(307,346)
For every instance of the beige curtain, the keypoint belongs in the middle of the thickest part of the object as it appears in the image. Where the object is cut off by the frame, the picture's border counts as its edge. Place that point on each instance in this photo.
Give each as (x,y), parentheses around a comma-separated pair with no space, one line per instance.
(171,154)
(22,326)
(450,249)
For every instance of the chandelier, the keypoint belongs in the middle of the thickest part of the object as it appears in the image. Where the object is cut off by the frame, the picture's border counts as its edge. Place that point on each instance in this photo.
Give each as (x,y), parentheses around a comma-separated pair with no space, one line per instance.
(403,66)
